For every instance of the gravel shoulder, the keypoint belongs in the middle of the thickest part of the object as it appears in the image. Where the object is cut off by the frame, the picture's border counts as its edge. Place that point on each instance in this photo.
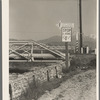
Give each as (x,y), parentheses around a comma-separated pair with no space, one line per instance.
(79,87)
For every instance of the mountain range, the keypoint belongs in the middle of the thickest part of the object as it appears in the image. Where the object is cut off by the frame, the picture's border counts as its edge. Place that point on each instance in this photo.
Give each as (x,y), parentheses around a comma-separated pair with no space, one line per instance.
(57,40)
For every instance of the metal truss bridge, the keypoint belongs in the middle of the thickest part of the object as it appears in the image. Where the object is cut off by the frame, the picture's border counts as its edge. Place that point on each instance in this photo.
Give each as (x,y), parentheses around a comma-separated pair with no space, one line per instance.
(28,51)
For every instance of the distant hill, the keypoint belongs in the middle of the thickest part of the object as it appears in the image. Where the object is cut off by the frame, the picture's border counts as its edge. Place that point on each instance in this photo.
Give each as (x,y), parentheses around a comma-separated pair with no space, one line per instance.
(20,39)
(12,39)
(56,40)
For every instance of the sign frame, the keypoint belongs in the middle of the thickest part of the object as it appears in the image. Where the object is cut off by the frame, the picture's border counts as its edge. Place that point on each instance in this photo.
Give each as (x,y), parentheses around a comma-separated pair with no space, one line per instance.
(66,35)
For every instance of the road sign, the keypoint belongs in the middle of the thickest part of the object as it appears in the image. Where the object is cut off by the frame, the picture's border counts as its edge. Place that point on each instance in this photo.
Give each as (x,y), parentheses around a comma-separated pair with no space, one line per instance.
(66,30)
(69,25)
(66,34)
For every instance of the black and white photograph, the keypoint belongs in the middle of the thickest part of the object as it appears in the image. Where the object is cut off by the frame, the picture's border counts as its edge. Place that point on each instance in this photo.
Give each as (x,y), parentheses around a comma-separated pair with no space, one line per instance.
(52,50)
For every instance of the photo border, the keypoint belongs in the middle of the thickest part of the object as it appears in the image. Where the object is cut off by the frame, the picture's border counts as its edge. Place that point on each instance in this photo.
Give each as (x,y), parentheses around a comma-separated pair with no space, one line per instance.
(4,43)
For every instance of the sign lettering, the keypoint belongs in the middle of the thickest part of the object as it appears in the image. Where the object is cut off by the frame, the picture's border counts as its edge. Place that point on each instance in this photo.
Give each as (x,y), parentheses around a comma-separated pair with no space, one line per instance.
(66,34)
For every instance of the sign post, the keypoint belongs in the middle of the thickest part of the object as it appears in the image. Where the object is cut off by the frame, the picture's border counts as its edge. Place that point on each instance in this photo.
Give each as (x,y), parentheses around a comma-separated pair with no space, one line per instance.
(66,55)
(66,37)
(66,31)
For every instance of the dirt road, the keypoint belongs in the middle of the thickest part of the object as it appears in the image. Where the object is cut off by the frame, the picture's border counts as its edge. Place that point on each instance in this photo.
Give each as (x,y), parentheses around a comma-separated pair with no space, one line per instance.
(80,87)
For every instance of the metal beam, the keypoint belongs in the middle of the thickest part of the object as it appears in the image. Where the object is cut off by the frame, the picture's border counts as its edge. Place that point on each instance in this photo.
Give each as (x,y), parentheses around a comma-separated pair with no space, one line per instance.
(18,53)
(32,53)
(19,47)
(50,50)
(35,61)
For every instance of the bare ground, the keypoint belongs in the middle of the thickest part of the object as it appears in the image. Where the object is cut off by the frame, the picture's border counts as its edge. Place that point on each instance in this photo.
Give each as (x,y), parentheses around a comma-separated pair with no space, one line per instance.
(79,87)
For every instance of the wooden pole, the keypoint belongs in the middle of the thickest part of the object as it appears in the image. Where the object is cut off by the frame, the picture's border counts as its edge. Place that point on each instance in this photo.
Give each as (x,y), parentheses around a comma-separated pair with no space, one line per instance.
(66,55)
(10,91)
(48,76)
(56,72)
(34,80)
(80,24)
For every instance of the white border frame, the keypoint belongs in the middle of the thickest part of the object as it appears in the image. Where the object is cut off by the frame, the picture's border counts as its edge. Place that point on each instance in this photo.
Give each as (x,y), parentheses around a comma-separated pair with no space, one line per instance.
(97,55)
(5,49)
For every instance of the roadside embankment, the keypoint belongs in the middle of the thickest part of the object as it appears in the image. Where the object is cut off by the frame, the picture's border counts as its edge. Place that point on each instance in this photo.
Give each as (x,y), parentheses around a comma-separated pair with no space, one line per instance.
(35,79)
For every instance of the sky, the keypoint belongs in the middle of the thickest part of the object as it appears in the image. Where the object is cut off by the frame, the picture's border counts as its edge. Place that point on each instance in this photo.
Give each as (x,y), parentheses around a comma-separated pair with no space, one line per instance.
(37,19)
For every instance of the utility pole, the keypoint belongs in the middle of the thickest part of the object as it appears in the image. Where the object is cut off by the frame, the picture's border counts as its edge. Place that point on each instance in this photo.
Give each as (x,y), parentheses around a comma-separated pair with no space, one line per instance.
(80,24)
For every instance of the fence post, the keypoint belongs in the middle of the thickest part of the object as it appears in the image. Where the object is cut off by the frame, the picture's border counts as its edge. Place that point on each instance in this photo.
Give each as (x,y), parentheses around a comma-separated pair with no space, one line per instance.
(56,72)
(10,91)
(48,76)
(34,80)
